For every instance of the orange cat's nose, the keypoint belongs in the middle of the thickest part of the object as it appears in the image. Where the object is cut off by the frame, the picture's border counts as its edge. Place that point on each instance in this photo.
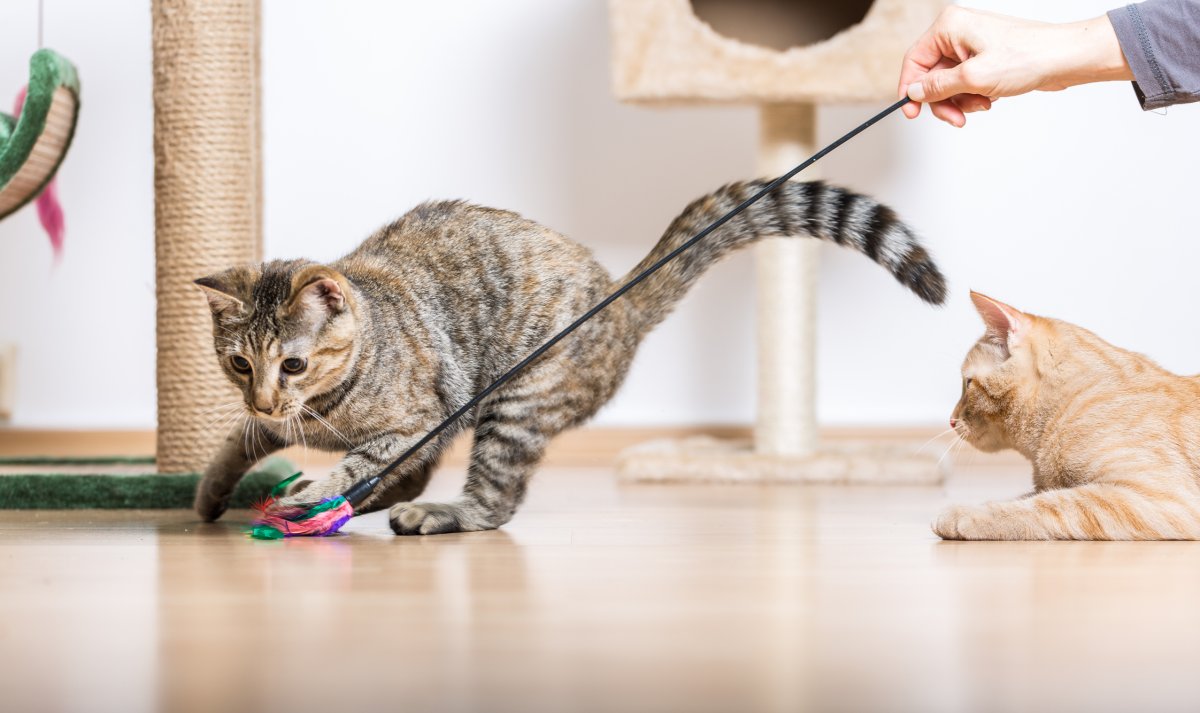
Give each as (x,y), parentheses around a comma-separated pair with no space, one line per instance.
(953,422)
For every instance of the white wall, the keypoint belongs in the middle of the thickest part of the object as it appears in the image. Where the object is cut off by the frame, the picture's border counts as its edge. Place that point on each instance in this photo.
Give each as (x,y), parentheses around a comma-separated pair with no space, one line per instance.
(1076,205)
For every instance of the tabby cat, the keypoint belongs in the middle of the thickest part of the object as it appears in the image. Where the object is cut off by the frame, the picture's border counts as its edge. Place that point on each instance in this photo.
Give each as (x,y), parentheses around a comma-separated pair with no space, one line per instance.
(1113,437)
(368,353)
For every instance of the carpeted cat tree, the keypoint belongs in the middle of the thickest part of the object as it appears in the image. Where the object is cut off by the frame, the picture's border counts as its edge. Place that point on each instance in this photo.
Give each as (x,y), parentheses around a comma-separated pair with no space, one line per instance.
(785,57)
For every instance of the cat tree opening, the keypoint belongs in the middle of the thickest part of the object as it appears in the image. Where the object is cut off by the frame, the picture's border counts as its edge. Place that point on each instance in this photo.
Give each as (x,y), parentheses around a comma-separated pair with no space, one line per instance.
(762,51)
(780,24)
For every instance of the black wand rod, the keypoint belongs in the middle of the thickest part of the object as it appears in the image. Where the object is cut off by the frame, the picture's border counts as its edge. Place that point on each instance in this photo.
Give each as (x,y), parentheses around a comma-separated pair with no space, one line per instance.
(360,490)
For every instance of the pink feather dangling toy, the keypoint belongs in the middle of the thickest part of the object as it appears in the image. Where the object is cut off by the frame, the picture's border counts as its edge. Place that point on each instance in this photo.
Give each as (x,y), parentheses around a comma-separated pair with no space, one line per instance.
(276,521)
(50,212)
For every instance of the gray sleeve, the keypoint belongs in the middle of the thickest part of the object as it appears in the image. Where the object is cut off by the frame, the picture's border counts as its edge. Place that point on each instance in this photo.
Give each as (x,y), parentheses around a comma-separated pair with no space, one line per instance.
(1161,42)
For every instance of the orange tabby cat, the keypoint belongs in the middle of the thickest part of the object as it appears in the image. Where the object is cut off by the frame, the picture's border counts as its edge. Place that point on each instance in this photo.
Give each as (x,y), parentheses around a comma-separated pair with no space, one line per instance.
(1114,438)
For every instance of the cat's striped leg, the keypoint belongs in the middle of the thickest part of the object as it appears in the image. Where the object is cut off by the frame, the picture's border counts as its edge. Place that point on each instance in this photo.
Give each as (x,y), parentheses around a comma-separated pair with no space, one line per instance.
(1108,510)
(364,461)
(504,456)
(237,454)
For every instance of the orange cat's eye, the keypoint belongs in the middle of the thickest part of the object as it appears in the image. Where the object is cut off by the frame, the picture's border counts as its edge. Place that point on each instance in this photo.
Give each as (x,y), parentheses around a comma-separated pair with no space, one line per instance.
(966,384)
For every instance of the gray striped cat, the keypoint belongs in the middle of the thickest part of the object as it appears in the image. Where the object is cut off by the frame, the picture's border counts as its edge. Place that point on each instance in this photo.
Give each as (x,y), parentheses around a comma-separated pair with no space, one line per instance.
(368,353)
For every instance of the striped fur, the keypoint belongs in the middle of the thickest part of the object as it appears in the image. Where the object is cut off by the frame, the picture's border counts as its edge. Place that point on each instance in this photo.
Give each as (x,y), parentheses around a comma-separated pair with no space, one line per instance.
(815,209)
(429,310)
(1114,438)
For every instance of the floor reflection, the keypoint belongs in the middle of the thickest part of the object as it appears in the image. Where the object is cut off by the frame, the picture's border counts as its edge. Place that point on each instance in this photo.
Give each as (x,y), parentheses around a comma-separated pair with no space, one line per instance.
(300,624)
(1044,623)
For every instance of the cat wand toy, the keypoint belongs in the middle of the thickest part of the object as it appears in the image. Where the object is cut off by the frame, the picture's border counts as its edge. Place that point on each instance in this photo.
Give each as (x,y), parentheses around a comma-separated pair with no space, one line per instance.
(329,515)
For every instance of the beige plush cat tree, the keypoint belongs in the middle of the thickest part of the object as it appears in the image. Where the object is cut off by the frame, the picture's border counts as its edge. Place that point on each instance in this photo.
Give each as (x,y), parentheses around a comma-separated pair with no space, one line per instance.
(722,51)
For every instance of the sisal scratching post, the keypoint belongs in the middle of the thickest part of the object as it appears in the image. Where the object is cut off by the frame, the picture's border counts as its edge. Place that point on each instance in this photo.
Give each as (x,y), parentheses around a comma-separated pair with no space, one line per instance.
(786,272)
(785,57)
(207,212)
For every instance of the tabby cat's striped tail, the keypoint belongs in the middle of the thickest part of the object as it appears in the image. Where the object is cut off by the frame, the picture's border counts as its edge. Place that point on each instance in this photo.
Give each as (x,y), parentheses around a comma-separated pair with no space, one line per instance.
(815,210)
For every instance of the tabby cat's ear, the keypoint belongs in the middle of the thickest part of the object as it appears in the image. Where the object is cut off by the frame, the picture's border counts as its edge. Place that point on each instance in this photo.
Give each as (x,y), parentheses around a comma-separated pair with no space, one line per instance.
(318,292)
(222,291)
(1007,326)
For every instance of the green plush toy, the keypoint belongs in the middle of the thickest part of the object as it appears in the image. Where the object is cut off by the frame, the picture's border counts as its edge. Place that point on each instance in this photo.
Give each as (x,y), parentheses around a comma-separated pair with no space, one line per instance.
(35,140)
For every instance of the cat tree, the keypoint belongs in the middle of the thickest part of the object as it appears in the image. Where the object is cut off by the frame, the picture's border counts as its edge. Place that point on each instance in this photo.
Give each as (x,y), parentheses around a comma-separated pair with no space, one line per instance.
(785,57)
(207,206)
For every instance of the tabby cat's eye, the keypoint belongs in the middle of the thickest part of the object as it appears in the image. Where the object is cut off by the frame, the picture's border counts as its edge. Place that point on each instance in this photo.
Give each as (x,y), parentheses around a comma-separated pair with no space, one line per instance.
(241,364)
(294,365)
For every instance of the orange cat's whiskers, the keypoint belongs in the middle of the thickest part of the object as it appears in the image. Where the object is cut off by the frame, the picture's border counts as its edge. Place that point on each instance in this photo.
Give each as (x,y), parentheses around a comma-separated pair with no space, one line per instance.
(957,441)
(926,444)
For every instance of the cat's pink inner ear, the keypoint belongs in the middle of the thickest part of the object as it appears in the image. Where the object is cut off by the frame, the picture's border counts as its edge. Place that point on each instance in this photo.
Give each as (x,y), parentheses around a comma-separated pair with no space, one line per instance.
(324,294)
(1006,325)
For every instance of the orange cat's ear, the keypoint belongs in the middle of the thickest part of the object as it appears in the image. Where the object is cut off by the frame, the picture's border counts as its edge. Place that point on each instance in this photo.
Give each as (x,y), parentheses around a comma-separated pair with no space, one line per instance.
(1007,326)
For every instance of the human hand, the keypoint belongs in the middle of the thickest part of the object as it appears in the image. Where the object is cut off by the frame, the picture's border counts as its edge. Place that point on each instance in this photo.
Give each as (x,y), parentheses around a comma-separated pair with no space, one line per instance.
(969,59)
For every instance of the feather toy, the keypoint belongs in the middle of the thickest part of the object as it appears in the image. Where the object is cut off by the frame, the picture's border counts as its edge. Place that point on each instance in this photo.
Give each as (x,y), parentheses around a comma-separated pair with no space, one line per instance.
(276,522)
(329,515)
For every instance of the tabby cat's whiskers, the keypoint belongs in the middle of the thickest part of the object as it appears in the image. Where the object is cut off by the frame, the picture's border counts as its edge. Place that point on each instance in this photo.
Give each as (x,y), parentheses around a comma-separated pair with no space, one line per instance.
(320,419)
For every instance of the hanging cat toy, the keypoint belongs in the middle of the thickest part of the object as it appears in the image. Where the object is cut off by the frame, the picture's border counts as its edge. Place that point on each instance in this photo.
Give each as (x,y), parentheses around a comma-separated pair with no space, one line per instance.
(35,138)
(276,521)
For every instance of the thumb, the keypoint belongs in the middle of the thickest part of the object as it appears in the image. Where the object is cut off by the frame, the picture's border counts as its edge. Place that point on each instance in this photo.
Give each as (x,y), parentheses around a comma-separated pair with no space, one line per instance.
(938,85)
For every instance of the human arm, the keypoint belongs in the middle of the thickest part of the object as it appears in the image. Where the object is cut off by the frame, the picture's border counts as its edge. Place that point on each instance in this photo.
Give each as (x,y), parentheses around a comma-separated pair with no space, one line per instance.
(970,58)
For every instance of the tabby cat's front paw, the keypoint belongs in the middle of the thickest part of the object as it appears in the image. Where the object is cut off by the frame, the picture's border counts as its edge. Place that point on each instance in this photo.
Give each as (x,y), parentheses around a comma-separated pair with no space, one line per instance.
(210,505)
(963,522)
(431,519)
(305,493)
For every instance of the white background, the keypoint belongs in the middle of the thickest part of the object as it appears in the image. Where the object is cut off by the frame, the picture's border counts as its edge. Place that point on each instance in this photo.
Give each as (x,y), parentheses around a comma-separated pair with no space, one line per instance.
(1076,205)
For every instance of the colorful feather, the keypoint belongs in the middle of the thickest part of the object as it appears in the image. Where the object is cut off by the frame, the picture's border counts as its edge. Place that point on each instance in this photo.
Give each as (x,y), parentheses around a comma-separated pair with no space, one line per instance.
(275,522)
(50,212)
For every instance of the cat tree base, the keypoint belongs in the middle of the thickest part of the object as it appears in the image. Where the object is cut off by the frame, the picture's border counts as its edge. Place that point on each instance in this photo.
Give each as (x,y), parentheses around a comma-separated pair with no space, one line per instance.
(710,460)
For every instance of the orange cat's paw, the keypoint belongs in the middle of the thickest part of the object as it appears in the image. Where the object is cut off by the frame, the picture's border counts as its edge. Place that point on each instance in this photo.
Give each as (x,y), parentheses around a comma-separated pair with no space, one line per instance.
(962,522)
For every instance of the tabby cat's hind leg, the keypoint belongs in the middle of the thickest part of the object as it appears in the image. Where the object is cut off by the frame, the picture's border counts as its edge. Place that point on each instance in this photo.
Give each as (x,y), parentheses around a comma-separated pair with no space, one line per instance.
(505,454)
(1109,510)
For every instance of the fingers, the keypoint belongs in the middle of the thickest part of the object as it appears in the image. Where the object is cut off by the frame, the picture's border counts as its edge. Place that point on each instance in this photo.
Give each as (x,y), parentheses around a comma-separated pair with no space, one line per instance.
(935,69)
(941,83)
(945,89)
(948,111)
(949,93)
(922,57)
(969,103)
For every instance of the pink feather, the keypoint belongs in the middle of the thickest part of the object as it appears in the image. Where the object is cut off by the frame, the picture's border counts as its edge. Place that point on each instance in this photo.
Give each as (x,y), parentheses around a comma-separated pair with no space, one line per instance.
(50,212)
(274,521)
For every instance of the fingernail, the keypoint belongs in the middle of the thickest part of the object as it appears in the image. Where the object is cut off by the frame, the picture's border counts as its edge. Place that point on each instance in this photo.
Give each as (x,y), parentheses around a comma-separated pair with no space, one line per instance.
(916,92)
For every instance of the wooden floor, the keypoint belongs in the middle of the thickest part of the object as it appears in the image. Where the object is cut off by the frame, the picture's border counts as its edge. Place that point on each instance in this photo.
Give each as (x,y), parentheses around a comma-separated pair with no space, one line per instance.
(599,597)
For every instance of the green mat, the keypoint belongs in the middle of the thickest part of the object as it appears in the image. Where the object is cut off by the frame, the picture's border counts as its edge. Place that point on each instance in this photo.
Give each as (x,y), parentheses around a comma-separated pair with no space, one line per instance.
(76,491)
